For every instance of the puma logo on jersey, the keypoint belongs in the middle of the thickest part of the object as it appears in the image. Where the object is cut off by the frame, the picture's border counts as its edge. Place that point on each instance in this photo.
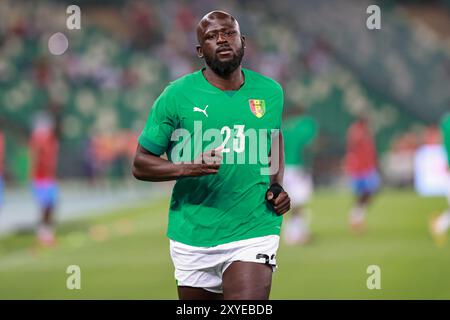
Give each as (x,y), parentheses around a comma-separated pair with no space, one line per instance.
(197,109)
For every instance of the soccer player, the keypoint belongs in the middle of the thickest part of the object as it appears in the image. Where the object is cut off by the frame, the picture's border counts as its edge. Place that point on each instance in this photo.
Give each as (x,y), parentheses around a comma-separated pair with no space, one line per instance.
(361,166)
(224,217)
(44,157)
(299,131)
(441,224)
(2,159)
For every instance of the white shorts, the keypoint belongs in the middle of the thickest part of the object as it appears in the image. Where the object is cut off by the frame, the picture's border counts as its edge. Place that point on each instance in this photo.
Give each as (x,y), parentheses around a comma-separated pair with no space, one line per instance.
(298,184)
(203,267)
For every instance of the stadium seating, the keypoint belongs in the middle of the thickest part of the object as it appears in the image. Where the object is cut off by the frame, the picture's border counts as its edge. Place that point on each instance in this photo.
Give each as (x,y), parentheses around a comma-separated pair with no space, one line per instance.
(107,80)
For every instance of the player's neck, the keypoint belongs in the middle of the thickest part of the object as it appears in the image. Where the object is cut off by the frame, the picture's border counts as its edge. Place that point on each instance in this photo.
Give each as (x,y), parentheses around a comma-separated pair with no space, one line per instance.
(233,81)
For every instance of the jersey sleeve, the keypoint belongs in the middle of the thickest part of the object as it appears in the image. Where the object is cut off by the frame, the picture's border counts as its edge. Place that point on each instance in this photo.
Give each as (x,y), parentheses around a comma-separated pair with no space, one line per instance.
(280,102)
(161,123)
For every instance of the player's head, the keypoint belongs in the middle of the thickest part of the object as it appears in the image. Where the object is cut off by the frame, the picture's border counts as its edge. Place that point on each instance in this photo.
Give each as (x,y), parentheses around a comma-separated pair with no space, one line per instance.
(220,42)
(362,117)
(42,122)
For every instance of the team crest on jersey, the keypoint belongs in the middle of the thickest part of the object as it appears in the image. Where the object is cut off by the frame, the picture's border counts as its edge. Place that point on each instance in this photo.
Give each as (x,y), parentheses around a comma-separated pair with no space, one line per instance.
(258,107)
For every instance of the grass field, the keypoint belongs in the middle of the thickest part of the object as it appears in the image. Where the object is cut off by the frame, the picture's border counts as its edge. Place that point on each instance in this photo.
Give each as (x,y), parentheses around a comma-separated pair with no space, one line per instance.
(125,255)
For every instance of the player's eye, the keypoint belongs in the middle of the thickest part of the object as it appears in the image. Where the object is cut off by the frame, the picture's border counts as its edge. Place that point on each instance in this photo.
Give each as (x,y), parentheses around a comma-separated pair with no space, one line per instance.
(230,33)
(210,36)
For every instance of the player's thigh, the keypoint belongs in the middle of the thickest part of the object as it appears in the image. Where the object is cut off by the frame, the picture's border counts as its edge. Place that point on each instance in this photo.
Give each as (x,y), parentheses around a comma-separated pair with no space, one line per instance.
(247,281)
(191,293)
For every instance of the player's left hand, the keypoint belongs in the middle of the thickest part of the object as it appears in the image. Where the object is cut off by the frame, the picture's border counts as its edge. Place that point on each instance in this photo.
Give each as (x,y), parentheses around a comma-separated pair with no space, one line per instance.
(281,204)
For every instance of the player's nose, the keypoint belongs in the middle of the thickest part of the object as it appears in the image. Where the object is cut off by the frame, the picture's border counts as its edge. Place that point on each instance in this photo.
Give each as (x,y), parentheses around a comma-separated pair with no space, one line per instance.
(221,38)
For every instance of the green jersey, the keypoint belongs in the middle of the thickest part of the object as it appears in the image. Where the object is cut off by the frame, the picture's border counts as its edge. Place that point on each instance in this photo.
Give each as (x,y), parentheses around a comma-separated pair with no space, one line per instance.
(445,129)
(192,116)
(297,134)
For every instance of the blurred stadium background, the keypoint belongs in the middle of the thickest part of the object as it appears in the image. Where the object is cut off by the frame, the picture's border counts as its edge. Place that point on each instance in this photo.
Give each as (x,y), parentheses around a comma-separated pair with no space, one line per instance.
(124,55)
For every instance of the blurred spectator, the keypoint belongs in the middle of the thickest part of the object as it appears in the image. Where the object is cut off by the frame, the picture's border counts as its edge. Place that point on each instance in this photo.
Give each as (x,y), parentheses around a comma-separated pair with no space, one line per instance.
(299,133)
(42,74)
(361,167)
(109,155)
(44,146)
(143,24)
(398,162)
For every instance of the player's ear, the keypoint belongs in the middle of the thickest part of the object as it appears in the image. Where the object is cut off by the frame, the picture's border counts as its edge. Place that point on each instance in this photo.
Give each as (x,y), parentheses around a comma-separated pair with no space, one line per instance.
(199,51)
(243,41)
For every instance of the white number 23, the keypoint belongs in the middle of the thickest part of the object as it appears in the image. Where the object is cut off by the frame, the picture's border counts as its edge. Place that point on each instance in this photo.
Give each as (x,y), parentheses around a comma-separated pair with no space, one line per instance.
(238,140)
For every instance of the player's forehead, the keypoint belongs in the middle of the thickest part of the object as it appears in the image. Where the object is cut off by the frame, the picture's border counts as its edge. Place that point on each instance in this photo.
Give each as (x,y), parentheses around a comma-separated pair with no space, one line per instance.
(217,21)
(219,25)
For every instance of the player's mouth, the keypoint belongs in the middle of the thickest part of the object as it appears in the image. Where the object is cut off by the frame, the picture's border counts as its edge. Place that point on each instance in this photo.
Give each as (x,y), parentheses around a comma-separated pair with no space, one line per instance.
(224,51)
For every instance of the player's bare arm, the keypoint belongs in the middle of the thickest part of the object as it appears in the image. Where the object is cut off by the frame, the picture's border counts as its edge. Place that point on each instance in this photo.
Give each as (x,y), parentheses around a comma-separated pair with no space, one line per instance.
(151,167)
(282,202)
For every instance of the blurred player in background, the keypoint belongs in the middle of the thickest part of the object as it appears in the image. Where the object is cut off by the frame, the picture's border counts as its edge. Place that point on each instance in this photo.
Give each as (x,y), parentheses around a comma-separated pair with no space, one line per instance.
(361,167)
(299,131)
(441,224)
(224,218)
(44,145)
(2,159)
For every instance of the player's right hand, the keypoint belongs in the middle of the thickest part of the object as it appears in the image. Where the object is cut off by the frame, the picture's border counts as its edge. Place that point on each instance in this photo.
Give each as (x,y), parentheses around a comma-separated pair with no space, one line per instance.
(207,163)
